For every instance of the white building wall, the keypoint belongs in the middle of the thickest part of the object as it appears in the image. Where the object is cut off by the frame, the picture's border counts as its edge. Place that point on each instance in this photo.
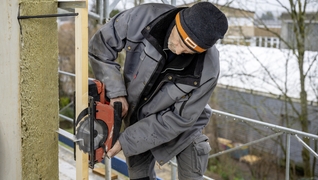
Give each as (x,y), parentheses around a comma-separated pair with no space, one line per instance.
(10,128)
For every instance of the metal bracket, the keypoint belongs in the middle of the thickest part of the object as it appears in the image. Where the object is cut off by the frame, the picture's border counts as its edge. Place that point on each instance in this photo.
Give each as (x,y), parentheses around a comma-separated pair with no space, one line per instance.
(48,15)
(64,4)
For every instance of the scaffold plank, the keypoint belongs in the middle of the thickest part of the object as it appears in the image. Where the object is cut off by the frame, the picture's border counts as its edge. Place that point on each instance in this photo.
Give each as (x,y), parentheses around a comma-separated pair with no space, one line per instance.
(81,83)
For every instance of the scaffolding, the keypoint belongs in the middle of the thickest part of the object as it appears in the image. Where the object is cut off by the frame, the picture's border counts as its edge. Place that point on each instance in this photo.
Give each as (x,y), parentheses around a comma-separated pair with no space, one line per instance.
(103,9)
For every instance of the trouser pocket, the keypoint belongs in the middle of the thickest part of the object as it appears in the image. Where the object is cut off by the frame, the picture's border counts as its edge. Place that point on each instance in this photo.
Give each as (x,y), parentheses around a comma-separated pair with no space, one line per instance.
(192,161)
(201,149)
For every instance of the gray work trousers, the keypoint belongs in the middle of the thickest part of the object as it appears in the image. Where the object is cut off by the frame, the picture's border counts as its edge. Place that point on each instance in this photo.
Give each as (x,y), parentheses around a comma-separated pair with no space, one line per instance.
(192,162)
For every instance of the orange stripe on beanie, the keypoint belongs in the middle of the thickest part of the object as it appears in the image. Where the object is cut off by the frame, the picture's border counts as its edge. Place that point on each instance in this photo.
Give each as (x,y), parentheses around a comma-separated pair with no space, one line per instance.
(201,25)
(186,39)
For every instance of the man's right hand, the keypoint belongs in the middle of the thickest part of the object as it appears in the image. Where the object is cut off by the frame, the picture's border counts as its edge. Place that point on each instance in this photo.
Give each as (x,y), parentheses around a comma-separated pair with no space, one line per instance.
(124,104)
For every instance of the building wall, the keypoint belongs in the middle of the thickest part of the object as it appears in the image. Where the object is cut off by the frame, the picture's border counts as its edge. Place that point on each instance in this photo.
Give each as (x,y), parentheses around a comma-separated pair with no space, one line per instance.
(10,111)
(265,33)
(29,78)
(240,22)
(240,31)
(311,38)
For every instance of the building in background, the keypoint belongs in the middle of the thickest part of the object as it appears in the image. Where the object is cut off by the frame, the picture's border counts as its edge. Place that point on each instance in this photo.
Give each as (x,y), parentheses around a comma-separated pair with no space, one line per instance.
(241,25)
(311,37)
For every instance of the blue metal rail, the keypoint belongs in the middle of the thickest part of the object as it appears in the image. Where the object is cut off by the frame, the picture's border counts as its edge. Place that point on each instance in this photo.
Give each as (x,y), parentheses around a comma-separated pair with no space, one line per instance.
(117,163)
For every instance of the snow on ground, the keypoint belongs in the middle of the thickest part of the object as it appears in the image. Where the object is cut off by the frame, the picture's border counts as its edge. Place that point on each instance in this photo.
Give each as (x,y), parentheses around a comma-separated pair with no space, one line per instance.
(268,70)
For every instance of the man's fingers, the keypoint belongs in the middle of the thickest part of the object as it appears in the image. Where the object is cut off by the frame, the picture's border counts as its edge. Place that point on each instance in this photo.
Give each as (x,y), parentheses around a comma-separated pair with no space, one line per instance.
(124,104)
(110,154)
(124,109)
(114,150)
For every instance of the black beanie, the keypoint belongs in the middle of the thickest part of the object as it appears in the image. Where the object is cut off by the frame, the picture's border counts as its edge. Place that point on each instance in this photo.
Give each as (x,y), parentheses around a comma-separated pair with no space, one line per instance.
(201,25)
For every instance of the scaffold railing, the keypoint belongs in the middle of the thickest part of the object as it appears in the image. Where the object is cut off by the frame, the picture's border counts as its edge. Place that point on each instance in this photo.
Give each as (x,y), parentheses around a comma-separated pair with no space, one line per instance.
(102,11)
(280,130)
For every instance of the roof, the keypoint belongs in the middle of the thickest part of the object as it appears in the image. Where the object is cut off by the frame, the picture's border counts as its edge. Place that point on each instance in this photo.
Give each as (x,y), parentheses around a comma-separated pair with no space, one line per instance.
(267,70)
(308,16)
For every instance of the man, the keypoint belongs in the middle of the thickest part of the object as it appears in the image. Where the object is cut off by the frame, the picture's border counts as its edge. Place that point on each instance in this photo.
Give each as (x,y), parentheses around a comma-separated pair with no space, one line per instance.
(170,71)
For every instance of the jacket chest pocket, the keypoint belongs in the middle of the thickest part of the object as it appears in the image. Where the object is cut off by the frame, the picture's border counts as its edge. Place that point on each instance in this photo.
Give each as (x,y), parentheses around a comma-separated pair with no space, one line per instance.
(169,95)
(180,92)
(140,77)
(145,68)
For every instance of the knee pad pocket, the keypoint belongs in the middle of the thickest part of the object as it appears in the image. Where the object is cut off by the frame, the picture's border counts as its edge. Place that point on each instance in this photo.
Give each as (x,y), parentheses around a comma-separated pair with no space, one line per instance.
(200,153)
(202,148)
(192,162)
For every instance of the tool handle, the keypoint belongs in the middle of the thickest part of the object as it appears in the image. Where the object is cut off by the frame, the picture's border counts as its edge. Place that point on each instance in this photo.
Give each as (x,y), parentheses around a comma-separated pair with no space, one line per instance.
(117,121)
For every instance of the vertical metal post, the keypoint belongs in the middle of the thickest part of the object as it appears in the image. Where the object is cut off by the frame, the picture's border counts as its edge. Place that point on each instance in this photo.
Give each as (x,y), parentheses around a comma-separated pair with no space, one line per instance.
(173,2)
(174,169)
(107,9)
(107,160)
(101,11)
(108,169)
(287,157)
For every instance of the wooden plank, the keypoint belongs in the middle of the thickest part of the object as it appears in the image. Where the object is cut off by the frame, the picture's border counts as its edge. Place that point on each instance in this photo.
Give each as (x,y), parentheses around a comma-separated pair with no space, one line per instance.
(81,81)
(250,159)
(101,172)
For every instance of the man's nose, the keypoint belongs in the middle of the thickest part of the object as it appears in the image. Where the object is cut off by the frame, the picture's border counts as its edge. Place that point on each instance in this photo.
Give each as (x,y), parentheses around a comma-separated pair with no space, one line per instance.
(179,50)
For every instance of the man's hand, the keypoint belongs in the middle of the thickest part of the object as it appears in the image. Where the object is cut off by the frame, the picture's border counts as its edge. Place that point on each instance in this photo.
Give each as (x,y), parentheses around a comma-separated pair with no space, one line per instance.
(124,104)
(114,150)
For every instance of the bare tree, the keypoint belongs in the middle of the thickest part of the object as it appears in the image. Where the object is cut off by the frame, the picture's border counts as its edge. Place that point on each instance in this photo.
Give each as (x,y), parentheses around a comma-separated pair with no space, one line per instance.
(301,29)
(301,25)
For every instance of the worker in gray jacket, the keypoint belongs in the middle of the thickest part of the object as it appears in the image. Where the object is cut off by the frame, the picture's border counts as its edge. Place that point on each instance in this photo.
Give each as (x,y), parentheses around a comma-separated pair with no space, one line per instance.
(170,71)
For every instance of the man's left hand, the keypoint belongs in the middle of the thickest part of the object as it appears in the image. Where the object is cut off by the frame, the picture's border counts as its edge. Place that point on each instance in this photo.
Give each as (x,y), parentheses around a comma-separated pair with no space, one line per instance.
(114,150)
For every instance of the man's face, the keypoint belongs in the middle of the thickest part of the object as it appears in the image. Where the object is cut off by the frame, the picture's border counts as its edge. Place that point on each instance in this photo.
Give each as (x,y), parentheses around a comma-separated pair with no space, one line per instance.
(176,45)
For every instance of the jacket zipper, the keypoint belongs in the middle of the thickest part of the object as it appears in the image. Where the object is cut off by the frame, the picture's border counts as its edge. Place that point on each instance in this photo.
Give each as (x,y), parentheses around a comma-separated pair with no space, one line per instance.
(156,90)
(164,50)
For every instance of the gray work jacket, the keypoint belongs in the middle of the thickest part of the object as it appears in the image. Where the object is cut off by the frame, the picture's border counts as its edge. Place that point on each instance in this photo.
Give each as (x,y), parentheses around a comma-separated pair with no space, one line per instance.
(164,115)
